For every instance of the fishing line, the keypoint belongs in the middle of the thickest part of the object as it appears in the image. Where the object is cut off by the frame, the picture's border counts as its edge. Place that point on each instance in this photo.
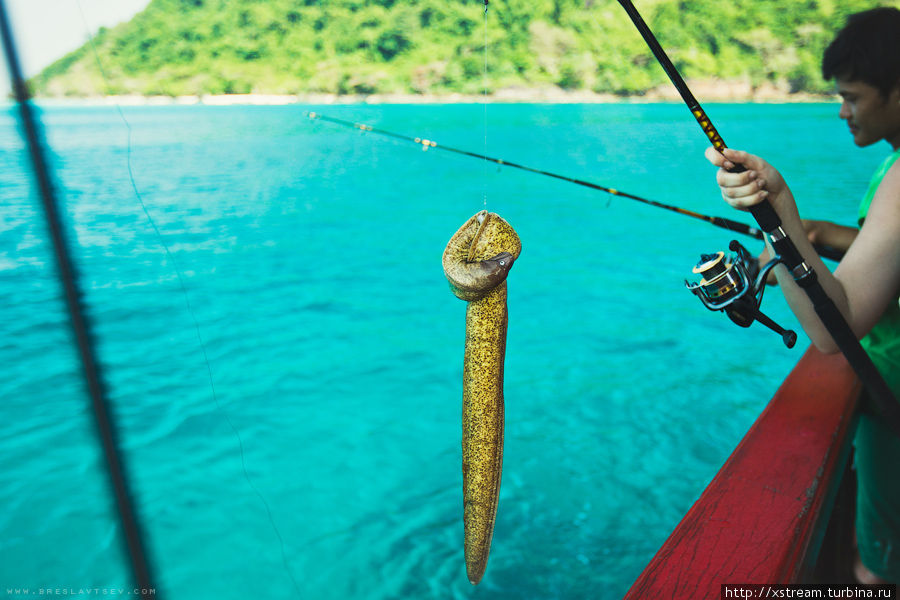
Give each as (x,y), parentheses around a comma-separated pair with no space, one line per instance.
(484,84)
(724,223)
(190,309)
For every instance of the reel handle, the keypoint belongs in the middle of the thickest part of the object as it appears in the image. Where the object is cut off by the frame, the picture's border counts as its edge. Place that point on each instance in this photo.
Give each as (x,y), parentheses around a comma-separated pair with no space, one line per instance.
(788,336)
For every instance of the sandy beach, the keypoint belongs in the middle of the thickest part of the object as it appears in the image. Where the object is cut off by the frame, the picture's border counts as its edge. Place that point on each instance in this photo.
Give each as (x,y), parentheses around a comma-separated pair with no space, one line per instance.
(704,90)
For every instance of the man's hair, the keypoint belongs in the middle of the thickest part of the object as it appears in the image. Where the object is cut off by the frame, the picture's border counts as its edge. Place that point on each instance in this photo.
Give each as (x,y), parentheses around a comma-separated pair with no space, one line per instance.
(867,49)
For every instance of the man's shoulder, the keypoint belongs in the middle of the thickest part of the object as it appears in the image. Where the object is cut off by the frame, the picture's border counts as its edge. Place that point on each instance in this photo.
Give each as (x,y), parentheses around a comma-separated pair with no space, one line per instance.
(891,177)
(886,200)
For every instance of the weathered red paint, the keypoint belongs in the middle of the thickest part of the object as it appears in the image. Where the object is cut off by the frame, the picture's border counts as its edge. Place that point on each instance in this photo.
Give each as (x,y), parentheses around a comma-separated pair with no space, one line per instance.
(761,518)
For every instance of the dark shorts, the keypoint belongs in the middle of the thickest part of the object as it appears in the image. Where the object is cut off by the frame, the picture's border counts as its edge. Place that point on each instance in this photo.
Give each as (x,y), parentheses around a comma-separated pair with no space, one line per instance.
(878,498)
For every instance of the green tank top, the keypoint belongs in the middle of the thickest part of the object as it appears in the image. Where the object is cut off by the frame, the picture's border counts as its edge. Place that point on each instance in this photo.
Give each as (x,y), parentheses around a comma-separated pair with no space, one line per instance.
(883,341)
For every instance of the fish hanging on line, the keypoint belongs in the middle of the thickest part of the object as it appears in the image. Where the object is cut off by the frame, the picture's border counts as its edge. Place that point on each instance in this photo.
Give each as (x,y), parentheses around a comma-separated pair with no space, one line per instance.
(476,262)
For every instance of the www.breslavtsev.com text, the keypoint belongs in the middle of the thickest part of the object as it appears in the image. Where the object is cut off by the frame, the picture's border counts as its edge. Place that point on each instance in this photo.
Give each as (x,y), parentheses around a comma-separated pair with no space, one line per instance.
(68,591)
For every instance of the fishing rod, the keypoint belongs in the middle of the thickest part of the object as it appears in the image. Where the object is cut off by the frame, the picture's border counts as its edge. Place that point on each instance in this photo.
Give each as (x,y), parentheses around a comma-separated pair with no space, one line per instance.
(729,224)
(84,339)
(721,288)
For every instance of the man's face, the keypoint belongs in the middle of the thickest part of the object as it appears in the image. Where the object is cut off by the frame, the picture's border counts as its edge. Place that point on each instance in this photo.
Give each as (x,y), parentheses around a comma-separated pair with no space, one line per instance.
(870,116)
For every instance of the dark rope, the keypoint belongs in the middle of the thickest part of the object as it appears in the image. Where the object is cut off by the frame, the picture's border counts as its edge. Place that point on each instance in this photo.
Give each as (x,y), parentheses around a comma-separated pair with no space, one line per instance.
(68,276)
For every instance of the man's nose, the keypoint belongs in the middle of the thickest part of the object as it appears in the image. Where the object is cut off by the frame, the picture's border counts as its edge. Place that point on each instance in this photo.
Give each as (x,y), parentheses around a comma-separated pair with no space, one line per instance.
(845,112)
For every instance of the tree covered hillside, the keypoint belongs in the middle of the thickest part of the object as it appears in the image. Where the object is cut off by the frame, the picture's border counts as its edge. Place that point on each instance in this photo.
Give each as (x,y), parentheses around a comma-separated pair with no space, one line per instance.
(180,47)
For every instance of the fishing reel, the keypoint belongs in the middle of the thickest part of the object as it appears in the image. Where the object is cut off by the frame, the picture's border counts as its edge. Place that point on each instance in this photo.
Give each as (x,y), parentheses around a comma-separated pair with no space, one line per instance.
(736,285)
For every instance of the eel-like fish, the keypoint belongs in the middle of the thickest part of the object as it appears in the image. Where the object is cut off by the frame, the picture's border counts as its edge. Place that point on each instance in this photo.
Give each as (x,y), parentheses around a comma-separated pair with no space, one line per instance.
(476,262)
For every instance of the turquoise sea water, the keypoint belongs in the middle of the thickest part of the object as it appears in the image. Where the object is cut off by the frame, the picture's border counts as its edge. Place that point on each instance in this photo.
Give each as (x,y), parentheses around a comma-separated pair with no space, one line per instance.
(322,442)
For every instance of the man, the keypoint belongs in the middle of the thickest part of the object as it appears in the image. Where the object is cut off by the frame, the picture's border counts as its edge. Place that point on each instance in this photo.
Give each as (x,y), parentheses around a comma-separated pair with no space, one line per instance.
(864,61)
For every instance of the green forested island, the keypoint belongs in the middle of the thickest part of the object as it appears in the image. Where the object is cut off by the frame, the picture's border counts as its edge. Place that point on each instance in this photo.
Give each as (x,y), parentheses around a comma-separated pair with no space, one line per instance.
(437,47)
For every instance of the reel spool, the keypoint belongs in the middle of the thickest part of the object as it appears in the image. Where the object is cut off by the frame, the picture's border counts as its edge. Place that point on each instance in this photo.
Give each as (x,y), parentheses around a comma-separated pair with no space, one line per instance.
(735,284)
(720,280)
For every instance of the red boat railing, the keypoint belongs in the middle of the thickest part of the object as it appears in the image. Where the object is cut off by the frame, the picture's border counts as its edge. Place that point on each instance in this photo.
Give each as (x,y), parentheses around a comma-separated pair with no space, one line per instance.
(763,517)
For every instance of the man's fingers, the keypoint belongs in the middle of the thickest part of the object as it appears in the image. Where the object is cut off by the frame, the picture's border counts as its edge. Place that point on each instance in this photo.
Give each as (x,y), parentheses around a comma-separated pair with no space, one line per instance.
(728,179)
(739,157)
(745,202)
(713,156)
(740,191)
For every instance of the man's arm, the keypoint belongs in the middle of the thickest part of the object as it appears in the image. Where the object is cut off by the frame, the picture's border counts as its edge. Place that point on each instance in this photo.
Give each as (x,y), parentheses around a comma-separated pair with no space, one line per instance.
(826,233)
(866,280)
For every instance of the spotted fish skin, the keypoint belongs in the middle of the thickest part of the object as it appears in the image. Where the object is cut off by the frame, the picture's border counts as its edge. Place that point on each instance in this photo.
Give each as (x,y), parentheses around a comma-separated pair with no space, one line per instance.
(476,262)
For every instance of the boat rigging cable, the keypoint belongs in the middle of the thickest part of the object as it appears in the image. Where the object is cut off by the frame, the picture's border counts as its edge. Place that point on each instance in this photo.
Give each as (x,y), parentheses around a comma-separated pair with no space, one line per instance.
(787,252)
(104,420)
(729,224)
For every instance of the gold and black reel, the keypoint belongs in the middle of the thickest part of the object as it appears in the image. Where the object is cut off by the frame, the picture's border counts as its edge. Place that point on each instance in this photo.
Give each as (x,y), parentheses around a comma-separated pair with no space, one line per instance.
(736,285)
(721,280)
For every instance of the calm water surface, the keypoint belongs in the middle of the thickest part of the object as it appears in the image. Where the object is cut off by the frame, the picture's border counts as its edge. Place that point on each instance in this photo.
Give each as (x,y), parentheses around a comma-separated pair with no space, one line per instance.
(321,441)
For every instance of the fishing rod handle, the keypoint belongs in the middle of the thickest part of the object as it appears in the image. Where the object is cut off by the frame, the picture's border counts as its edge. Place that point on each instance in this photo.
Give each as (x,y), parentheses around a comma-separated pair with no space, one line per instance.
(768,219)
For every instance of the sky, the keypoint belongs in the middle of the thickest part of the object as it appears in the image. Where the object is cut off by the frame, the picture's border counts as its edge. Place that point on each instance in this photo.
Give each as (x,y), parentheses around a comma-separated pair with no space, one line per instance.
(45,30)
